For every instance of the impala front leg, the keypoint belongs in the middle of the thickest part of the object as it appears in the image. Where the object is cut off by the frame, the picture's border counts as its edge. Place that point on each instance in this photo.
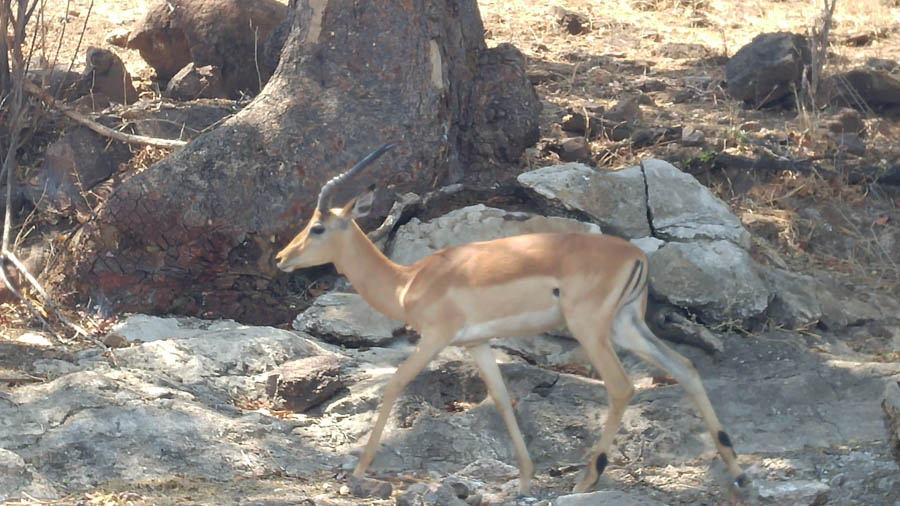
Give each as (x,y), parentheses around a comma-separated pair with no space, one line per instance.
(591,328)
(405,373)
(490,373)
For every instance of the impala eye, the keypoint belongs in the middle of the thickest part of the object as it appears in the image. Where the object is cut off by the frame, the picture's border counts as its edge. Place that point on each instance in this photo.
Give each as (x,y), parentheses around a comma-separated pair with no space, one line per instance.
(317,229)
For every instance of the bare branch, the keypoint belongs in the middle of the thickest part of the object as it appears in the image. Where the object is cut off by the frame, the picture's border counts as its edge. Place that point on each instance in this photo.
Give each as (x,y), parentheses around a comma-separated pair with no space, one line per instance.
(105,131)
(818,51)
(9,255)
(12,289)
(16,103)
(80,39)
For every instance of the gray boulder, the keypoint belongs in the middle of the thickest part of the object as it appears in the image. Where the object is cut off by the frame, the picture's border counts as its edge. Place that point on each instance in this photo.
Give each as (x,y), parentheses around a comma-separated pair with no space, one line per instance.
(768,69)
(18,478)
(617,200)
(875,89)
(795,302)
(682,209)
(73,165)
(416,240)
(716,279)
(346,319)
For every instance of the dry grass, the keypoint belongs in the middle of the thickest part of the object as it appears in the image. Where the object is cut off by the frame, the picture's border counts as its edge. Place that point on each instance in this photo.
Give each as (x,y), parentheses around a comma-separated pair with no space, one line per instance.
(626,36)
(767,210)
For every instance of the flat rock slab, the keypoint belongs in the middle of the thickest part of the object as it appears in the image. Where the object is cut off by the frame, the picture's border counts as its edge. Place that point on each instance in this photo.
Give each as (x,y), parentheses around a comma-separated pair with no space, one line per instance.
(189,401)
(606,497)
(301,384)
(347,320)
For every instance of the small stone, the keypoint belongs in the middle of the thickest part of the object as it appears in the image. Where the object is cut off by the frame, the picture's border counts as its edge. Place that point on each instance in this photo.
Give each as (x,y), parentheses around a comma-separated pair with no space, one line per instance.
(691,136)
(444,495)
(626,110)
(850,143)
(767,70)
(192,82)
(489,469)
(649,85)
(571,21)
(580,124)
(115,340)
(118,37)
(820,500)
(417,488)
(891,176)
(751,126)
(574,149)
(460,489)
(412,496)
(795,304)
(367,487)
(846,120)
(682,96)
(879,90)
(787,492)
(302,384)
(34,339)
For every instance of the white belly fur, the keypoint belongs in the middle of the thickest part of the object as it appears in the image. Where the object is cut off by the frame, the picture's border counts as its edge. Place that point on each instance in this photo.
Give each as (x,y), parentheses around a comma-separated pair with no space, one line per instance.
(520,325)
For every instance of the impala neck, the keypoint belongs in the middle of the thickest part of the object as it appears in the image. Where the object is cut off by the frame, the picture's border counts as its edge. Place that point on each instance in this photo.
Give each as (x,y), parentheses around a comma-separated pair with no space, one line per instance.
(374,276)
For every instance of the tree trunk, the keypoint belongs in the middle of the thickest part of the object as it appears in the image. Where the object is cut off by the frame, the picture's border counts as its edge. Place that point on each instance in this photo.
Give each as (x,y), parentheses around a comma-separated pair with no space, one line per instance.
(196,232)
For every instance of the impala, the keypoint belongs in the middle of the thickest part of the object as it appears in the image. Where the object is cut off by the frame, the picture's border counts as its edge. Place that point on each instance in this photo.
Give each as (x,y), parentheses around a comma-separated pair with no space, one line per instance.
(513,287)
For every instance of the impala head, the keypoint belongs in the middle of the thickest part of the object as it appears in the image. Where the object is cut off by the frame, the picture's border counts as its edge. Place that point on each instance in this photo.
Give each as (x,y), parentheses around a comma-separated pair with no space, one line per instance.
(322,238)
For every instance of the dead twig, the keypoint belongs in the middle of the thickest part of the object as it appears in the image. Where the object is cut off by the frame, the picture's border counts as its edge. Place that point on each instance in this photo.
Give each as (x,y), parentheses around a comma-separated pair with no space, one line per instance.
(22,378)
(393,217)
(17,114)
(16,103)
(11,257)
(818,51)
(12,289)
(105,131)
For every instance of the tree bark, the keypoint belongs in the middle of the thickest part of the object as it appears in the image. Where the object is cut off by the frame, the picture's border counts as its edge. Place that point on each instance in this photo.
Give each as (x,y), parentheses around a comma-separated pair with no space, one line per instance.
(196,232)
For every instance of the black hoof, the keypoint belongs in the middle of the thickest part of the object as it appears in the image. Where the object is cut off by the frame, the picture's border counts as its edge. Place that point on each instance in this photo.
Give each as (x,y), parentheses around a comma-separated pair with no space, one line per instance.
(601,464)
(741,481)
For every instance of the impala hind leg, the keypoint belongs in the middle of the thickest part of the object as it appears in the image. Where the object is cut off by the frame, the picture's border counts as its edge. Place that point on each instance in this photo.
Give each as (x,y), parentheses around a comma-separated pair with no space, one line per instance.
(591,328)
(408,370)
(632,333)
(490,373)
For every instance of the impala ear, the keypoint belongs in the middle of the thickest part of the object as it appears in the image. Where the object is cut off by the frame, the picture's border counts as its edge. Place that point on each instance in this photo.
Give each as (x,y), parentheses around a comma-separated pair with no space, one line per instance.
(361,205)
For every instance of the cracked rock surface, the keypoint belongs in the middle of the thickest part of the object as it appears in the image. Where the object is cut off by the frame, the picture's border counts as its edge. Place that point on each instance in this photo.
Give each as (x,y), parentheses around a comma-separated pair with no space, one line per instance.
(691,236)
(181,413)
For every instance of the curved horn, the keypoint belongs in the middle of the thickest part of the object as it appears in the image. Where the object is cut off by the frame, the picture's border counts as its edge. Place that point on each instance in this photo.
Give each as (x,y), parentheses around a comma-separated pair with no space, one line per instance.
(327,191)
